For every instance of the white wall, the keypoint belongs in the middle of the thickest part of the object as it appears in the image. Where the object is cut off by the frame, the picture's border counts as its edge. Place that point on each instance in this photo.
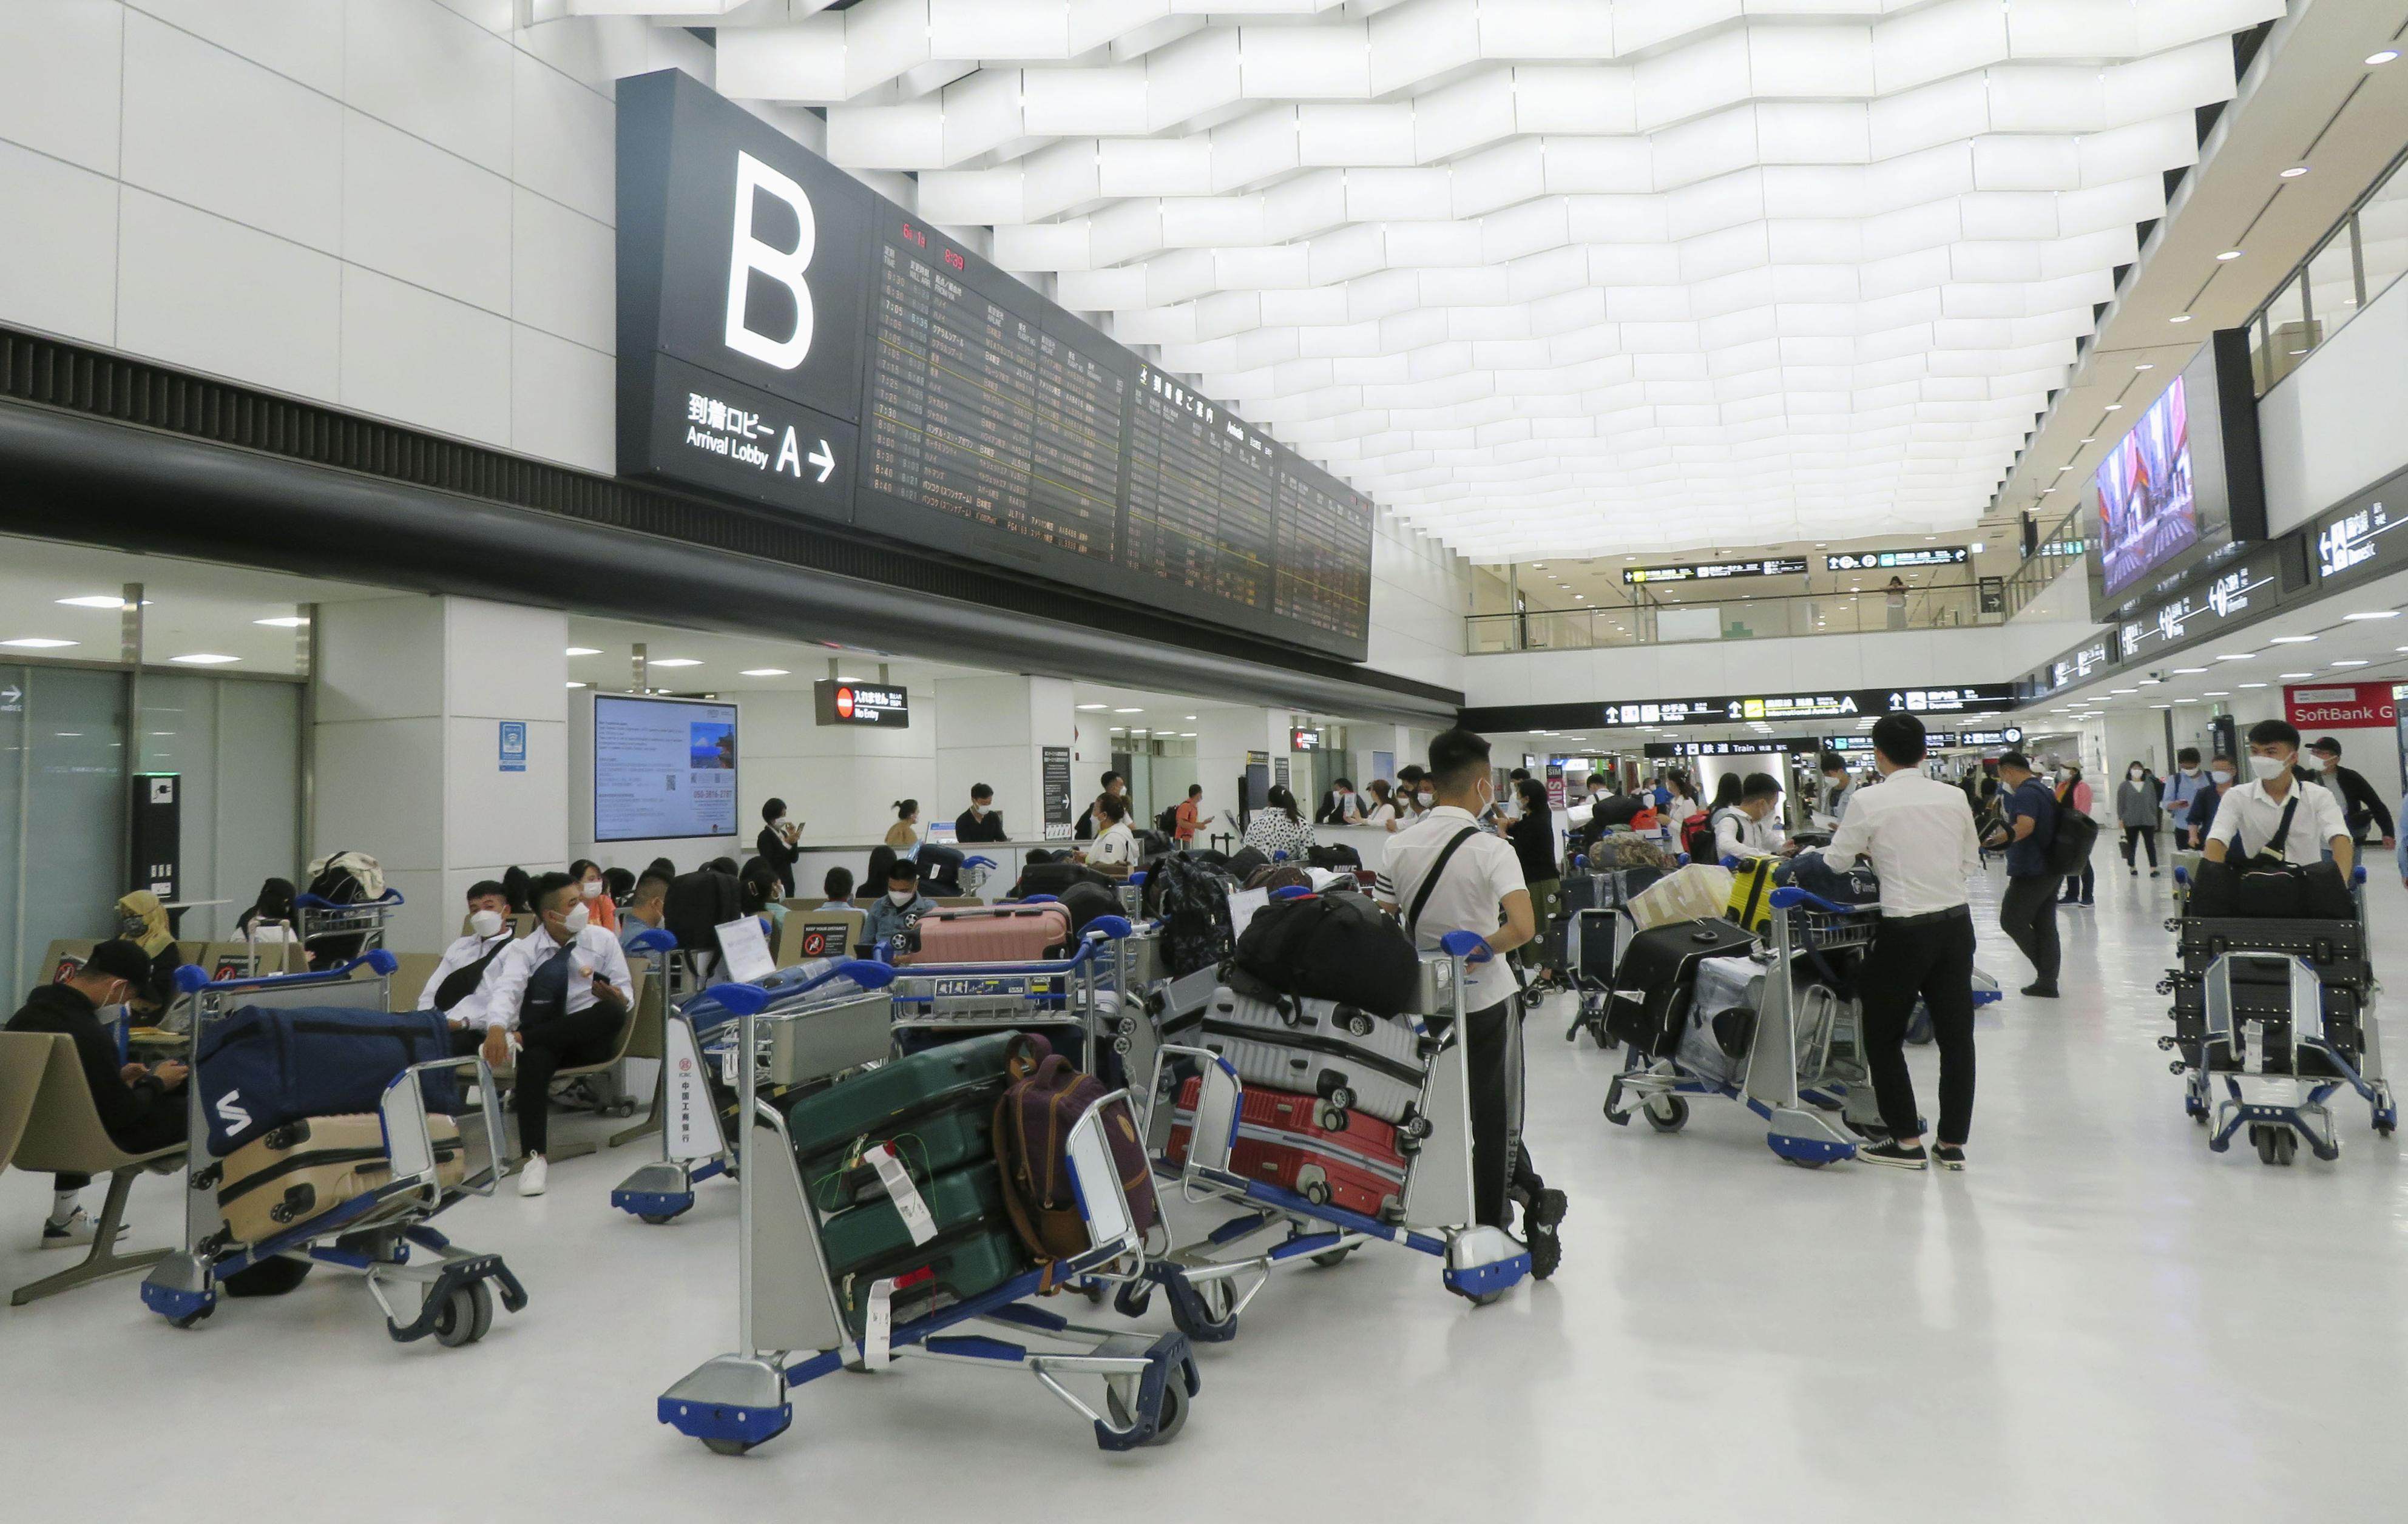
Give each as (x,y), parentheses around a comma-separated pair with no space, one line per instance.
(2332,427)
(1907,658)
(1420,593)
(398,207)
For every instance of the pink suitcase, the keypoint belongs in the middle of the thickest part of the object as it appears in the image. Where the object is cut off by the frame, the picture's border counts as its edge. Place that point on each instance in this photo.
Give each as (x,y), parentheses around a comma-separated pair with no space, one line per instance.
(989,934)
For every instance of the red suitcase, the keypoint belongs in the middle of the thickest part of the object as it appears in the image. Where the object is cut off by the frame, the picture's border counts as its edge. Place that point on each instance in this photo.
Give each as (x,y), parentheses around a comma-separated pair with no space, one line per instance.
(989,934)
(1280,1141)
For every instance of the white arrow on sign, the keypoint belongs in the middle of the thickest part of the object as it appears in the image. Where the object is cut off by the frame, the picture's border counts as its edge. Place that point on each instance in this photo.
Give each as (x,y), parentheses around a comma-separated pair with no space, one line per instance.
(823,459)
(9,696)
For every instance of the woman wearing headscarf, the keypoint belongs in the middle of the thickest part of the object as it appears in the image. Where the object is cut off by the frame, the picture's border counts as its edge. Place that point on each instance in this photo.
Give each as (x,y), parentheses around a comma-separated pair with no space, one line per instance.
(142,919)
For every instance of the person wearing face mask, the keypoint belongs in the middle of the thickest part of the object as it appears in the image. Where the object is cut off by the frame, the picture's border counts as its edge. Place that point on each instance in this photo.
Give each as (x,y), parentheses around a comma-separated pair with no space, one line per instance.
(1279,826)
(139,1105)
(1340,805)
(2276,815)
(981,821)
(1839,787)
(463,976)
(2361,806)
(594,890)
(774,845)
(2221,774)
(2188,782)
(560,998)
(1752,828)
(2028,911)
(646,907)
(2137,811)
(143,920)
(1444,874)
(1413,797)
(902,904)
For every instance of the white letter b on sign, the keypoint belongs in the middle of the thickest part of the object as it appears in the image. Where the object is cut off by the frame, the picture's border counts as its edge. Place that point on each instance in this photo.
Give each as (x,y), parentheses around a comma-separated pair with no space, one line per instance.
(784,266)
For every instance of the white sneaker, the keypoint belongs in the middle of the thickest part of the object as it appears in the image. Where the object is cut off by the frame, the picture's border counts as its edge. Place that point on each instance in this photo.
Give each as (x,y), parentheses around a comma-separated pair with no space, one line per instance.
(75,1232)
(531,1176)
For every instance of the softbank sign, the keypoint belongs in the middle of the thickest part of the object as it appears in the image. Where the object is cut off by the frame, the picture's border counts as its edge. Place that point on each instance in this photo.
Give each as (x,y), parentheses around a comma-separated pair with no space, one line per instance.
(2341,706)
(743,279)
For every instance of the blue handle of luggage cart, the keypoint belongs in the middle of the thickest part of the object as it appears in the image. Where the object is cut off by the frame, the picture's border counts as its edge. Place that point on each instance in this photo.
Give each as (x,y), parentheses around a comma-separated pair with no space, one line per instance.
(2181,877)
(1280,856)
(1789,896)
(1136,879)
(2357,875)
(978,862)
(1114,926)
(1291,891)
(653,939)
(740,999)
(1471,947)
(190,980)
(386,901)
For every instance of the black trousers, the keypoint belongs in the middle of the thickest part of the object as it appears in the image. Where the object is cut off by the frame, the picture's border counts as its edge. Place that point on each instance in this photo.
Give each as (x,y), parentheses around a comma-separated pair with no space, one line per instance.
(2146,837)
(1492,1062)
(1934,959)
(162,1127)
(565,1042)
(2083,885)
(2028,914)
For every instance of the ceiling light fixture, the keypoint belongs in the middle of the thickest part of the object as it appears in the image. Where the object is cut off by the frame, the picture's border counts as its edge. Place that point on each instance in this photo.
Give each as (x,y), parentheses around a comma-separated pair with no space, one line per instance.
(674,662)
(583,650)
(1091,707)
(1128,711)
(2253,685)
(2353,662)
(2144,367)
(2295,172)
(2373,614)
(99,600)
(2376,61)
(2228,256)
(205,659)
(2185,318)
(2292,676)
(573,683)
(2238,656)
(763,672)
(2293,640)
(288,622)
(37,642)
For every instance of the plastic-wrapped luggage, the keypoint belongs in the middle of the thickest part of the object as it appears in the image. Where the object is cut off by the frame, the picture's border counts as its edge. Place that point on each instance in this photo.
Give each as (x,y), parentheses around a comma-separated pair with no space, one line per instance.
(1347,1056)
(1691,894)
(1358,1165)
(1720,1020)
(306,1168)
(989,934)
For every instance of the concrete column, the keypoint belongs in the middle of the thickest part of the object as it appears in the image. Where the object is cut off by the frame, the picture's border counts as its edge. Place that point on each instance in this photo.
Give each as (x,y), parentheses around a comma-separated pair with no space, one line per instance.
(409,694)
(994,731)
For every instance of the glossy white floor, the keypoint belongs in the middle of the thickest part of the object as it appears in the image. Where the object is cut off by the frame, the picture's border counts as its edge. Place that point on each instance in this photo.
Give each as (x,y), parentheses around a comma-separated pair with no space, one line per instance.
(2101,1318)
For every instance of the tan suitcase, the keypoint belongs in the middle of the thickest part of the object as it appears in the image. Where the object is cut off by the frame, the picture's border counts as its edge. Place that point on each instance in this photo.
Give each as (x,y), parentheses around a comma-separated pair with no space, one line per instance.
(302,1170)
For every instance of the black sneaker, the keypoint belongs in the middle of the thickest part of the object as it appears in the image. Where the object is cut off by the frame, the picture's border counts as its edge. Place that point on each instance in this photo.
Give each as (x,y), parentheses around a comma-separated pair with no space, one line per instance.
(1539,1216)
(1948,1156)
(1892,1155)
(2040,992)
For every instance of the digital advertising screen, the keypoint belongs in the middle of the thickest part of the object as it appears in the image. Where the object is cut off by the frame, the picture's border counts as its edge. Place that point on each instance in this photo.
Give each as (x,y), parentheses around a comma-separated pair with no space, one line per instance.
(663,769)
(2148,502)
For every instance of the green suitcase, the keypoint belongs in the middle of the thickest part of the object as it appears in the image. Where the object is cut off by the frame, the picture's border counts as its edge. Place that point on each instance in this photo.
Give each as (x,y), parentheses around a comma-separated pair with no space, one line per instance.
(974,1251)
(927,1146)
(898,1097)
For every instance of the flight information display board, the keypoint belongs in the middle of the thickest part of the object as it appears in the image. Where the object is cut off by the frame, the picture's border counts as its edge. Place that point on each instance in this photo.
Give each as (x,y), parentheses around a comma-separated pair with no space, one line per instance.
(893,381)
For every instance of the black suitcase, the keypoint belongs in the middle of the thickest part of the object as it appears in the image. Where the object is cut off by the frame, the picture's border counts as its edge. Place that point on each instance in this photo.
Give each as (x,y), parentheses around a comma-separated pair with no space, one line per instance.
(2335,948)
(1652,982)
(2262,991)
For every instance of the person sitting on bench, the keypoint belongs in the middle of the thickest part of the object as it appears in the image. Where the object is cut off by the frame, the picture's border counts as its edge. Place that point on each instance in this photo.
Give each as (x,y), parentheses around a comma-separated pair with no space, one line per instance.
(464,978)
(139,1105)
(563,992)
(645,908)
(903,903)
(838,889)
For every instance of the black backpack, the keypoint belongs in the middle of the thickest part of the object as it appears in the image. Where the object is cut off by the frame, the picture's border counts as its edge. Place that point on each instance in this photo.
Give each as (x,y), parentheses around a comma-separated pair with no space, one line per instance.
(1167,821)
(2076,834)
(1246,861)
(1333,855)
(1085,902)
(1191,898)
(1055,877)
(697,904)
(1331,946)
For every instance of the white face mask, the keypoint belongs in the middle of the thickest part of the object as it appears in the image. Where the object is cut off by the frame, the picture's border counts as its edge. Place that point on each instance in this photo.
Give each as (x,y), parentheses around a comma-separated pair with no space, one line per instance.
(1426,799)
(485,923)
(2326,764)
(575,921)
(781,822)
(900,897)
(2134,774)
(590,889)
(978,811)
(2268,768)
(2222,776)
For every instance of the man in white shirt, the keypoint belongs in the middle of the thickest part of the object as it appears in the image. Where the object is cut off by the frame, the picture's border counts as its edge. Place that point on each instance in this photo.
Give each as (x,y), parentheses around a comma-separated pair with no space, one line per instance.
(2253,814)
(468,967)
(1919,837)
(560,997)
(1753,829)
(1444,874)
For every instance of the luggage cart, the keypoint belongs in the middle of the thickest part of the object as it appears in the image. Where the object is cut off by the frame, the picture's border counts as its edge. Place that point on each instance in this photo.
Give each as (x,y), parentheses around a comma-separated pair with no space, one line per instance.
(318,921)
(1212,1282)
(941,1003)
(373,1232)
(820,1033)
(1592,946)
(791,1330)
(2278,1083)
(1795,1067)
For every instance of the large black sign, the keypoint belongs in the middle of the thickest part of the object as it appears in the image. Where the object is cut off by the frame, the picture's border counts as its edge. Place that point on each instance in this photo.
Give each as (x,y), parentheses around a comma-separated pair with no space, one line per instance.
(1883,560)
(840,702)
(2244,592)
(1975,698)
(1715,571)
(2357,541)
(788,337)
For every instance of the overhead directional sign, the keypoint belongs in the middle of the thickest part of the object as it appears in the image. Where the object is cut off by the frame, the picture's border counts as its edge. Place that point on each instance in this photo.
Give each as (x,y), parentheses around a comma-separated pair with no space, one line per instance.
(1715,571)
(2359,538)
(1746,709)
(1882,561)
(2247,589)
(842,703)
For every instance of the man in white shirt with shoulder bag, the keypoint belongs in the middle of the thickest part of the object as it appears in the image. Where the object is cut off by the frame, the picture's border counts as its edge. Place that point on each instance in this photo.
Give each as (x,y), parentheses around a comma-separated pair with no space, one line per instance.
(2273,815)
(560,998)
(1445,873)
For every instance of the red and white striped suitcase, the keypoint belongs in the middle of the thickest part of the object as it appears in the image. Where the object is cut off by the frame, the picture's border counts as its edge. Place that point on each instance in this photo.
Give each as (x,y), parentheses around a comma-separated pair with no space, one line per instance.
(989,933)
(1356,1166)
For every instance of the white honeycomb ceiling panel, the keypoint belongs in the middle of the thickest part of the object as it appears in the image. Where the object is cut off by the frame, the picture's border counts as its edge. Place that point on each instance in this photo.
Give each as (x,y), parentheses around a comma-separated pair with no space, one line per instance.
(1555,277)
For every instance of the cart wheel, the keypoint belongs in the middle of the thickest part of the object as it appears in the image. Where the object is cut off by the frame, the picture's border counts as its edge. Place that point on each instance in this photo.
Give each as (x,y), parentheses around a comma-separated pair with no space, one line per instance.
(192,1320)
(1667,1113)
(730,1446)
(1332,1259)
(1093,1290)
(1483,1299)
(1171,1419)
(467,1313)
(656,1219)
(2270,1142)
(2384,1129)
(1204,1317)
(1131,1300)
(1806,1163)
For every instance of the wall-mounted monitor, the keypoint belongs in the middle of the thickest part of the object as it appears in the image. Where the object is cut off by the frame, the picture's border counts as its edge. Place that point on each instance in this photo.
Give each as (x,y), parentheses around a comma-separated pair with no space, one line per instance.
(663,769)
(2183,486)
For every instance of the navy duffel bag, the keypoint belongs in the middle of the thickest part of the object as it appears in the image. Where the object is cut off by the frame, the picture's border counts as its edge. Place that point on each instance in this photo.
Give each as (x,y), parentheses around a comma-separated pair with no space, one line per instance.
(260,1067)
